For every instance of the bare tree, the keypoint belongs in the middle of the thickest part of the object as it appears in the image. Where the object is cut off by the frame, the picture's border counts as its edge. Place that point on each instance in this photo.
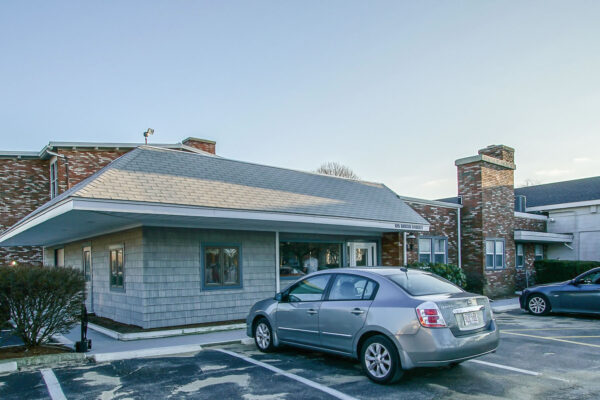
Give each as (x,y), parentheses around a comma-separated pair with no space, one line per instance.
(530,182)
(336,169)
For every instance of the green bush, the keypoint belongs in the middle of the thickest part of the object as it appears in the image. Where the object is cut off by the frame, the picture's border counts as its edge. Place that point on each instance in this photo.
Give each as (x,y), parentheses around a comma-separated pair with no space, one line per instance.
(42,301)
(548,271)
(450,272)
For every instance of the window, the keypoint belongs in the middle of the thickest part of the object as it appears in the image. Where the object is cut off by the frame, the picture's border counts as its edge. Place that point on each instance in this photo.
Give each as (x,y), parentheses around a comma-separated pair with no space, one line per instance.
(520,257)
(59,257)
(300,258)
(593,278)
(53,180)
(539,252)
(87,264)
(310,289)
(351,287)
(117,270)
(222,266)
(419,284)
(494,253)
(433,250)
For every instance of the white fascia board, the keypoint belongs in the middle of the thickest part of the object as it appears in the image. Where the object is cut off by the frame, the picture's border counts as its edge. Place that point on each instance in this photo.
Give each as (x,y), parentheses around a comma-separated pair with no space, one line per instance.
(434,203)
(182,210)
(530,216)
(542,237)
(565,205)
(52,212)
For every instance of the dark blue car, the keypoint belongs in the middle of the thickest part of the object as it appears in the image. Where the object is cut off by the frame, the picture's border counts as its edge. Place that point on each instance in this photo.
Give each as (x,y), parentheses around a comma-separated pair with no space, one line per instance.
(579,295)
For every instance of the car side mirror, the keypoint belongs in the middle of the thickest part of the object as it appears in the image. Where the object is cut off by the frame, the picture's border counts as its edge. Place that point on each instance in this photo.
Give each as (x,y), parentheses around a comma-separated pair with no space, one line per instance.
(574,282)
(278,297)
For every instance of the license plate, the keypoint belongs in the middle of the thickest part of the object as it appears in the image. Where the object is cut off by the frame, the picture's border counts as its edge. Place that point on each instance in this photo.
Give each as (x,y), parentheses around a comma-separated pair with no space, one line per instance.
(471,318)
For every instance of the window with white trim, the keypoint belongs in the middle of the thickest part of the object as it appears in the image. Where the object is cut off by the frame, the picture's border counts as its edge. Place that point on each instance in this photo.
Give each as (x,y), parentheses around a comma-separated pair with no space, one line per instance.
(539,252)
(433,250)
(59,257)
(520,256)
(53,179)
(117,268)
(494,254)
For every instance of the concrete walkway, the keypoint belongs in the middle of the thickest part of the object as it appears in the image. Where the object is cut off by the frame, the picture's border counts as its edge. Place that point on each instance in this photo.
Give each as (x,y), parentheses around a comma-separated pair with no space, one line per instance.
(104,344)
(505,304)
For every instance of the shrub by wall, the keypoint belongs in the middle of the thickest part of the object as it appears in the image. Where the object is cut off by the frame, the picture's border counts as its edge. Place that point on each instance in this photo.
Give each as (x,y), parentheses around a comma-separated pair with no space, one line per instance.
(42,301)
(548,271)
(450,272)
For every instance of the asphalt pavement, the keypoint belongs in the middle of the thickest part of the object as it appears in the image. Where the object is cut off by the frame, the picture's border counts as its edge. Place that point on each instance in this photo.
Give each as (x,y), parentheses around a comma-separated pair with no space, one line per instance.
(555,357)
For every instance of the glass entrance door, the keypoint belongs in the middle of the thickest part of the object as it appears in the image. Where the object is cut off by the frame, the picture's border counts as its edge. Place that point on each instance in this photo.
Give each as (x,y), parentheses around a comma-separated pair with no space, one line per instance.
(362,254)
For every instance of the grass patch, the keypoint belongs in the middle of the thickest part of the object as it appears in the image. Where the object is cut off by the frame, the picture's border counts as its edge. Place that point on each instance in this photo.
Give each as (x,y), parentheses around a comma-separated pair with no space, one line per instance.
(21,351)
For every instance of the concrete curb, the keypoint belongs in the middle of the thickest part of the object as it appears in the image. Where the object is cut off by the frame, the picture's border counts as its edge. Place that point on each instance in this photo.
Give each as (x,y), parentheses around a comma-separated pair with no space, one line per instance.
(143,353)
(10,366)
(164,333)
(39,361)
(509,307)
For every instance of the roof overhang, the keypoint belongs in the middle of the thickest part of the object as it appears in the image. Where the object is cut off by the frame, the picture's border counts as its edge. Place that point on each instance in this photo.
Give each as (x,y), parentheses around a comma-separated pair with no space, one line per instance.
(542,237)
(77,218)
(565,205)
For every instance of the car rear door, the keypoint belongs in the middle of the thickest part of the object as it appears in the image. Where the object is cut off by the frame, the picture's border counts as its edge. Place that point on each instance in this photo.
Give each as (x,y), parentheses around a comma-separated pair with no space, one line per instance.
(297,314)
(583,296)
(344,311)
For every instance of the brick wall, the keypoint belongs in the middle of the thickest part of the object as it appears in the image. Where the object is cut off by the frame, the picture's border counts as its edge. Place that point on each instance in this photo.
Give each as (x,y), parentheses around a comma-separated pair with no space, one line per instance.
(443,222)
(528,224)
(24,185)
(470,188)
(82,164)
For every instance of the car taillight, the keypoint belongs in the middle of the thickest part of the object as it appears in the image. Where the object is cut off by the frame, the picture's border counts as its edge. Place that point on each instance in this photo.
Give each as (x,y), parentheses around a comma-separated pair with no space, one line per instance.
(430,316)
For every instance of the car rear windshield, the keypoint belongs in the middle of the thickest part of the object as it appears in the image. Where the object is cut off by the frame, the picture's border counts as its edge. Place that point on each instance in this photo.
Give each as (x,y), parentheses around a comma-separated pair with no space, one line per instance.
(423,284)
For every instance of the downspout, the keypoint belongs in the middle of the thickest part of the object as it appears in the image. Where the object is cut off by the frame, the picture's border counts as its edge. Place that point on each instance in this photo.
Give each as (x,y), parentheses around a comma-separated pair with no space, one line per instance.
(277,288)
(404,261)
(458,239)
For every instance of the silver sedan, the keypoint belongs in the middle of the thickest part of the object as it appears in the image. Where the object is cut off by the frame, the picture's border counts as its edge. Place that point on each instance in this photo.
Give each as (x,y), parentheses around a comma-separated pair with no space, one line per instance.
(391,319)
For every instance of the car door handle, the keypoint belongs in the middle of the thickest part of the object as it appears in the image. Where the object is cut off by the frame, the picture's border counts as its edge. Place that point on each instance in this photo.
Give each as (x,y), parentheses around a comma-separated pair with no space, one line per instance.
(357,311)
(311,311)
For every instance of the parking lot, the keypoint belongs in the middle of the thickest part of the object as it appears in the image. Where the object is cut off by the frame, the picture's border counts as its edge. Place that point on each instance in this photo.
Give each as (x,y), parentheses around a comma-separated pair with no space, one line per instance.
(556,357)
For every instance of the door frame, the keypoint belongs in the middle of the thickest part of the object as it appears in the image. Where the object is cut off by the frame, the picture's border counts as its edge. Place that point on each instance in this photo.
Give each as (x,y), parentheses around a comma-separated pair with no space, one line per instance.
(88,284)
(371,248)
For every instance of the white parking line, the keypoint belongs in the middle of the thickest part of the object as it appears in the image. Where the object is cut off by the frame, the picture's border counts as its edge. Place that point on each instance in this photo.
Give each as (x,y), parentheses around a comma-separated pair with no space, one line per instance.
(335,393)
(53,385)
(523,371)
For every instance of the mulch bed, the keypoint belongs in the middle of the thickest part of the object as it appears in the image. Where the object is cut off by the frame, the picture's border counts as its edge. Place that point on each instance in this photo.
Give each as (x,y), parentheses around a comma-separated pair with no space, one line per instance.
(124,328)
(21,351)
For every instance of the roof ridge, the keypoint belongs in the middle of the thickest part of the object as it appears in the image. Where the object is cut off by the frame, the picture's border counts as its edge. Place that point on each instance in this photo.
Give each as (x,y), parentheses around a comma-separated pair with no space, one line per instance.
(149,147)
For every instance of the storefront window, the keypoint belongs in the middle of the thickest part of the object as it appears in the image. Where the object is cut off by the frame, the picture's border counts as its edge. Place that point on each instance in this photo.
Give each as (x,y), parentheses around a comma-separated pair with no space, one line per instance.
(300,258)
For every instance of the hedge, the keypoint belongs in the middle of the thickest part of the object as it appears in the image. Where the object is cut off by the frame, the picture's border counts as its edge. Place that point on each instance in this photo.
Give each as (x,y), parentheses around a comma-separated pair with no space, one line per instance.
(548,271)
(42,301)
(450,272)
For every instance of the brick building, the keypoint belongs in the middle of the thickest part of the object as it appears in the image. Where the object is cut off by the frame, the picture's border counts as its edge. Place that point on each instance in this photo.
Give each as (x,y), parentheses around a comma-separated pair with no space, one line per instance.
(29,179)
(174,234)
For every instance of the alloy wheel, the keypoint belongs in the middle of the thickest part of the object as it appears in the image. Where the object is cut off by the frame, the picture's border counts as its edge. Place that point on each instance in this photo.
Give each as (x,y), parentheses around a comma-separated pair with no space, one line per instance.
(263,336)
(537,305)
(378,360)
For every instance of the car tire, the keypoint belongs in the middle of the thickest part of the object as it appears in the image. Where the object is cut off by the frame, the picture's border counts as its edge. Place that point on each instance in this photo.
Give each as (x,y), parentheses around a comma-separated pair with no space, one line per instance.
(380,360)
(263,336)
(538,304)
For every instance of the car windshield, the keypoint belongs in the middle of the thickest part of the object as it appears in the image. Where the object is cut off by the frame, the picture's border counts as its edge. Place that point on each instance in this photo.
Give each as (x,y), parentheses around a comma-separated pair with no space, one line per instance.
(423,284)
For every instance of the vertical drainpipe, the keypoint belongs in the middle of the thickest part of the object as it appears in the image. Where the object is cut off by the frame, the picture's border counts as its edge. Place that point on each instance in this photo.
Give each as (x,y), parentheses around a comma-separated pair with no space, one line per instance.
(277,288)
(404,262)
(458,239)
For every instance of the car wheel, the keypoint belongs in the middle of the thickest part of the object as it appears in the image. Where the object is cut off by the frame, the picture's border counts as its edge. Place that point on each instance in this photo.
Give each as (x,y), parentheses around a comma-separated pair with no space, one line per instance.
(380,360)
(263,336)
(538,304)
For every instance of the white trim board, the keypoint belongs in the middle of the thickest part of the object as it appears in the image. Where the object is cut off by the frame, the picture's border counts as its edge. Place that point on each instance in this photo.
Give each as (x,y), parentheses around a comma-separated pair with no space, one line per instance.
(530,216)
(565,205)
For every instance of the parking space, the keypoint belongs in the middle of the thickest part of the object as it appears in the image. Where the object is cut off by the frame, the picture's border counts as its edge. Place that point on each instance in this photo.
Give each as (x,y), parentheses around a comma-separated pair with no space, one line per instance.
(556,357)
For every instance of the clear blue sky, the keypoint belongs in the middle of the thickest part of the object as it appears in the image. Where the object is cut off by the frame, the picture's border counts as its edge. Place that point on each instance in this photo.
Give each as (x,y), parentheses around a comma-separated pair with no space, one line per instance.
(395,90)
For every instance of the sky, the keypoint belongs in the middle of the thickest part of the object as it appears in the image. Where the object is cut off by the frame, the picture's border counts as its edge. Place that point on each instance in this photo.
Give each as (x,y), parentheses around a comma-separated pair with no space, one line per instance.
(396,90)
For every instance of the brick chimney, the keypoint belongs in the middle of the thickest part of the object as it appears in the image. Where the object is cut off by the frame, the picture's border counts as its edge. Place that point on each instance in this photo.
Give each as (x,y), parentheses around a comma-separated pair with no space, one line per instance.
(486,184)
(201,144)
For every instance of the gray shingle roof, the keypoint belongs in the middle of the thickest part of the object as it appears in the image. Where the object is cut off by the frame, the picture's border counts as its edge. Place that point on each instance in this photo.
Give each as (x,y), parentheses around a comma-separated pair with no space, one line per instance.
(561,192)
(160,175)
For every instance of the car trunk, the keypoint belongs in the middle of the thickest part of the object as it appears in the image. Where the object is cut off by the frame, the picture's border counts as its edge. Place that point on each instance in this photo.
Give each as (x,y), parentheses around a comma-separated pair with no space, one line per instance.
(464,313)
